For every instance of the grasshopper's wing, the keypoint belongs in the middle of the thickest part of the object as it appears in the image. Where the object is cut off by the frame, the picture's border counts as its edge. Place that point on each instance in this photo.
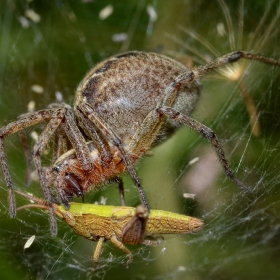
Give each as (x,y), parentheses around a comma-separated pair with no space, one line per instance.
(134,231)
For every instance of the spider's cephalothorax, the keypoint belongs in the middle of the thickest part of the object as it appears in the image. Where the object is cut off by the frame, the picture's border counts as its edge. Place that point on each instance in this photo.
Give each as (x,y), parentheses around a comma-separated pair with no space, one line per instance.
(124,106)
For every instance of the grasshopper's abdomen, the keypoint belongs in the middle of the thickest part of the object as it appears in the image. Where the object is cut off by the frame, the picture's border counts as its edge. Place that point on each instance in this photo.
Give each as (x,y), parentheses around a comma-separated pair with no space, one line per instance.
(163,222)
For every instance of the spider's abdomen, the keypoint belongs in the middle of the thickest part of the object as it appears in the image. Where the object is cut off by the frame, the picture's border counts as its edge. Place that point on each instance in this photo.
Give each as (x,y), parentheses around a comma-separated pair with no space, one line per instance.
(123,89)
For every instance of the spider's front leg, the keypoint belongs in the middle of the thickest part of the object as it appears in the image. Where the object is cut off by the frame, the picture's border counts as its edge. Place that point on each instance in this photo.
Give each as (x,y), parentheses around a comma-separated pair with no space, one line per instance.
(8,179)
(14,127)
(43,139)
(120,183)
(57,117)
(61,144)
(67,182)
(64,118)
(60,116)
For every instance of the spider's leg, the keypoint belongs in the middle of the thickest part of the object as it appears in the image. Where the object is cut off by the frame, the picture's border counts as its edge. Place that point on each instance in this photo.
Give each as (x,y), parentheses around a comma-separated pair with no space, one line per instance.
(256,57)
(146,134)
(149,129)
(18,125)
(207,133)
(119,181)
(28,156)
(82,152)
(8,179)
(112,137)
(189,76)
(121,190)
(77,140)
(94,134)
(61,144)
(43,139)
(192,75)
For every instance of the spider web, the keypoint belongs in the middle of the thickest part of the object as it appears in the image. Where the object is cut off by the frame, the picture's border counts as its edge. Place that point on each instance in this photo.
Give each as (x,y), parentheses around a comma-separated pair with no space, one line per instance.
(53,44)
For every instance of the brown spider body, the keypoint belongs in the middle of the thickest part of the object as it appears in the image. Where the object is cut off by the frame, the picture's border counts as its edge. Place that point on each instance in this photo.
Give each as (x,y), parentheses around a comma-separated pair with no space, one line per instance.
(124,106)
(122,90)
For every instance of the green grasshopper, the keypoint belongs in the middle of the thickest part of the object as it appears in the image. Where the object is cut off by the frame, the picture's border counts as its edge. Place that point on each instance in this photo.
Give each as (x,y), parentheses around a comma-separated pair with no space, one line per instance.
(119,224)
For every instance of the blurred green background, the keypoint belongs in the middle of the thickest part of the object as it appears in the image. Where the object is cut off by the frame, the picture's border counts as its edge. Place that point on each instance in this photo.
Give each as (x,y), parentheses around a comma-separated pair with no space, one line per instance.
(56,44)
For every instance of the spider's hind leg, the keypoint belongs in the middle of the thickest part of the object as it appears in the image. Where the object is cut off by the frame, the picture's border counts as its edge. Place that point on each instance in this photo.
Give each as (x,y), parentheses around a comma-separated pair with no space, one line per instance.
(208,134)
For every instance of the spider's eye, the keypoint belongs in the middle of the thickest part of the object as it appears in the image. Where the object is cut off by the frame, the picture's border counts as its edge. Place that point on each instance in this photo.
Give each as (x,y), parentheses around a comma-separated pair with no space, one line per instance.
(56,169)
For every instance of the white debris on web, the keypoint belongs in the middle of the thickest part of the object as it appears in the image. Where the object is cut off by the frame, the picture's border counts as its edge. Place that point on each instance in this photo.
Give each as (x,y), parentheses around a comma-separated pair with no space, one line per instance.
(31,106)
(110,258)
(221,29)
(202,175)
(72,16)
(189,195)
(194,160)
(29,242)
(37,89)
(31,14)
(182,268)
(34,135)
(30,199)
(103,200)
(34,176)
(58,96)
(23,21)
(120,37)
(152,12)
(106,12)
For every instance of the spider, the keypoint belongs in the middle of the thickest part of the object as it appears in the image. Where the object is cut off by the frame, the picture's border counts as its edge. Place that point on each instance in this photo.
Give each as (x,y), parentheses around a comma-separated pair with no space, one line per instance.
(124,106)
